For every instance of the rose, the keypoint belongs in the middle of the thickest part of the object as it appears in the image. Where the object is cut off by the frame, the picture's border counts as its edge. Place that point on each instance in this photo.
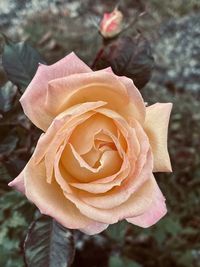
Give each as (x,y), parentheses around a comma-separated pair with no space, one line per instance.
(111,24)
(93,165)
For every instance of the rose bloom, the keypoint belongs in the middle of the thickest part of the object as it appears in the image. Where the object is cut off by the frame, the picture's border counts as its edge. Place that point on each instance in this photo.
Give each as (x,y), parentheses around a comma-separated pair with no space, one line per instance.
(111,24)
(94,163)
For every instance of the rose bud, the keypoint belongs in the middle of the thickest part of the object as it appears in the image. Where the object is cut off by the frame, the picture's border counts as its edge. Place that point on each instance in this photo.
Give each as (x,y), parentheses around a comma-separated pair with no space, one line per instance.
(111,24)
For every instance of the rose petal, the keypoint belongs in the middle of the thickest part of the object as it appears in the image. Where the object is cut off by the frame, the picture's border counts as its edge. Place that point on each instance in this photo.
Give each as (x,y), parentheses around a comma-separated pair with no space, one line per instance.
(104,184)
(62,177)
(154,213)
(121,194)
(95,86)
(61,137)
(138,175)
(94,228)
(18,183)
(138,203)
(135,97)
(34,98)
(61,130)
(110,163)
(125,130)
(156,127)
(116,180)
(82,138)
(78,88)
(66,181)
(70,117)
(92,157)
(50,200)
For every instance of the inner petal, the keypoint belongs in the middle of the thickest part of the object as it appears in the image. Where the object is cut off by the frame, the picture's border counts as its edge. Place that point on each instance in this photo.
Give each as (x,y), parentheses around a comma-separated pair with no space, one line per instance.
(92,157)
(110,163)
(82,138)
(61,136)
(67,181)
(103,141)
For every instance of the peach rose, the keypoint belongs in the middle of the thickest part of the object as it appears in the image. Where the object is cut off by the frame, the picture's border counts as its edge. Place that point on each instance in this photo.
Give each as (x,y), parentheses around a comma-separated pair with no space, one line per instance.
(93,165)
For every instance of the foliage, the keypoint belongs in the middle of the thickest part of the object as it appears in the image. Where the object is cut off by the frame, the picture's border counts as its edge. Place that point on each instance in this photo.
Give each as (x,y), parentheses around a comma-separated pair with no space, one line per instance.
(20,62)
(15,215)
(17,137)
(116,261)
(174,8)
(127,56)
(48,244)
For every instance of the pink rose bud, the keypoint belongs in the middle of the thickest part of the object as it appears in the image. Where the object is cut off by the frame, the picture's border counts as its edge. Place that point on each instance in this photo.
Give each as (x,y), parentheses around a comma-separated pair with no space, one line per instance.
(111,24)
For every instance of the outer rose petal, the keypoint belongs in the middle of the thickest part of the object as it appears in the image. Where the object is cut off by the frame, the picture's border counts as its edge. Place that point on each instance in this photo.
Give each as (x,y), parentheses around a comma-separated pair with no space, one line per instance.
(156,127)
(18,183)
(94,228)
(51,201)
(135,97)
(138,203)
(154,213)
(35,95)
(133,93)
(95,86)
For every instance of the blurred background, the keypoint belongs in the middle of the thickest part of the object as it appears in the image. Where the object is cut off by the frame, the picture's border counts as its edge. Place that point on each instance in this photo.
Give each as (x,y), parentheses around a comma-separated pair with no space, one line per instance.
(172,31)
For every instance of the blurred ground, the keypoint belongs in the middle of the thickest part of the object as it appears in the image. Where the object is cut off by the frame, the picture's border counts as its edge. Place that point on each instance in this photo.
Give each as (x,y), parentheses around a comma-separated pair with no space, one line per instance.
(56,28)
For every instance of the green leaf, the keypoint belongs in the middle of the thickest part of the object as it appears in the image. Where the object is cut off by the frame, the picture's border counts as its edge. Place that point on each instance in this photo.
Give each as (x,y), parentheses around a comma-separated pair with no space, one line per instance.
(187,258)
(117,231)
(8,259)
(9,144)
(116,261)
(12,200)
(16,213)
(4,180)
(20,62)
(173,226)
(131,57)
(7,96)
(48,244)
(129,263)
